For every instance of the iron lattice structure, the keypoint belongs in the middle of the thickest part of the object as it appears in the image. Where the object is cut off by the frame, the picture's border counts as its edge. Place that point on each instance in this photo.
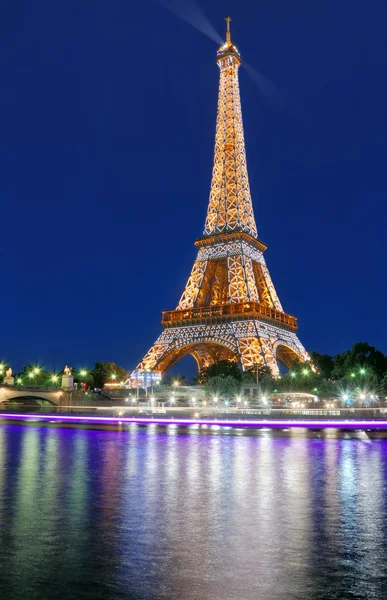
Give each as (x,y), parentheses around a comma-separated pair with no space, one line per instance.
(229,308)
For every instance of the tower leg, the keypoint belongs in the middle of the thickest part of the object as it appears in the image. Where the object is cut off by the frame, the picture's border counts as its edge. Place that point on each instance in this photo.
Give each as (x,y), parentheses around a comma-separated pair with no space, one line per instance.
(257,351)
(251,341)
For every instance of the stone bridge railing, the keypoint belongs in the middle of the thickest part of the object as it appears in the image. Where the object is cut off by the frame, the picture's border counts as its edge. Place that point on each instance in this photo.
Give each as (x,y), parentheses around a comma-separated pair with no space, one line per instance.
(29,388)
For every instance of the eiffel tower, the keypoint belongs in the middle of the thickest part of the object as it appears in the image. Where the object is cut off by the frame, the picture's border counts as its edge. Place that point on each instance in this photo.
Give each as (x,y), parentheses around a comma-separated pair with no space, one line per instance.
(229,309)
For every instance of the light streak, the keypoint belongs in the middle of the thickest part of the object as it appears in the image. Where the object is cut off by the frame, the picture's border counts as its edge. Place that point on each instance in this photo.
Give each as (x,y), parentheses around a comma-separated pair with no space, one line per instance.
(257,423)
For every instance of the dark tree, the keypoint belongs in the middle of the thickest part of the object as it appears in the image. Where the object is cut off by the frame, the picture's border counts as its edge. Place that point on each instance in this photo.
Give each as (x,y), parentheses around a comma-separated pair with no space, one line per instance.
(223,368)
(108,371)
(175,379)
(81,378)
(324,363)
(361,356)
(33,375)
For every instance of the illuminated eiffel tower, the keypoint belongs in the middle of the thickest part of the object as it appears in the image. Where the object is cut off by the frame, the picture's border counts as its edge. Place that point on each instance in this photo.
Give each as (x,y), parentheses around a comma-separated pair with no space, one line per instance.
(229,308)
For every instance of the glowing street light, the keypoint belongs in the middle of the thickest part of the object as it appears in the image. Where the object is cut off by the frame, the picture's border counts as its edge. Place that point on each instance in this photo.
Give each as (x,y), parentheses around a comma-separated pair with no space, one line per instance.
(114,376)
(31,374)
(36,371)
(54,378)
(293,375)
(175,383)
(83,373)
(362,371)
(19,381)
(305,371)
(264,399)
(362,397)
(353,374)
(215,399)
(345,397)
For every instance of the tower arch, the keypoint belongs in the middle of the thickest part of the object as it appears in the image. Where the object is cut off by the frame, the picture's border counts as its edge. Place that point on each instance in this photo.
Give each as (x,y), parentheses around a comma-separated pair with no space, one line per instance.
(287,355)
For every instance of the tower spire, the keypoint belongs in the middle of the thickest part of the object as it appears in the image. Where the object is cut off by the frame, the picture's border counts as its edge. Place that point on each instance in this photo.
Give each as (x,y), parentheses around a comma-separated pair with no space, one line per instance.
(228,30)
(230,208)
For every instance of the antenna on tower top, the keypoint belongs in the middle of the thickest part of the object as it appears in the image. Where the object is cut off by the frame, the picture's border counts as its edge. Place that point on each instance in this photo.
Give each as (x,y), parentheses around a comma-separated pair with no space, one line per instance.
(228,31)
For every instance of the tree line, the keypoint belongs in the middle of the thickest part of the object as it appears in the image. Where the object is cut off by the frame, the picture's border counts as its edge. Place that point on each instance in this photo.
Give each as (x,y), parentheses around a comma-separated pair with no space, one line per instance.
(357,376)
(36,375)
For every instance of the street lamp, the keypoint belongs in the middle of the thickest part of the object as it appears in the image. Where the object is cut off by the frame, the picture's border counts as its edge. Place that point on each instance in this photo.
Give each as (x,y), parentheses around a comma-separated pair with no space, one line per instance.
(83,373)
(257,372)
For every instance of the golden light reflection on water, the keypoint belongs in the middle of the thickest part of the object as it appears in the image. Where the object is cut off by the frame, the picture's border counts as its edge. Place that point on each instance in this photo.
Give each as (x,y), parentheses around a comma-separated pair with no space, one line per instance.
(153,513)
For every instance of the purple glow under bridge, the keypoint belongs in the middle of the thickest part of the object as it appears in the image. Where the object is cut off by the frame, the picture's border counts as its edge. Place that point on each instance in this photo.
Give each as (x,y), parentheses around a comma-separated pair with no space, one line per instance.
(257,423)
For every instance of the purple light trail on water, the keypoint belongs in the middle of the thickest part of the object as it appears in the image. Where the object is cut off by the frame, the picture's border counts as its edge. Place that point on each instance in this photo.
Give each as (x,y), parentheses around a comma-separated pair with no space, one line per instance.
(339,424)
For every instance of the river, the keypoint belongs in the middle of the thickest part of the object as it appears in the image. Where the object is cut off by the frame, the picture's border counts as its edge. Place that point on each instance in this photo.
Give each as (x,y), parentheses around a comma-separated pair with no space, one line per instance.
(149,513)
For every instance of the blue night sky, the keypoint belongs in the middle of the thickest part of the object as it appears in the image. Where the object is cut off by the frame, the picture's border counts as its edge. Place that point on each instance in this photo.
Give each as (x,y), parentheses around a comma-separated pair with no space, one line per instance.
(107,120)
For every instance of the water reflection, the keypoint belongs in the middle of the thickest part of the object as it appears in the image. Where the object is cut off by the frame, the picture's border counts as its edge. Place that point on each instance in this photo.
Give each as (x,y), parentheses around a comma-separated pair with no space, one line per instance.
(150,513)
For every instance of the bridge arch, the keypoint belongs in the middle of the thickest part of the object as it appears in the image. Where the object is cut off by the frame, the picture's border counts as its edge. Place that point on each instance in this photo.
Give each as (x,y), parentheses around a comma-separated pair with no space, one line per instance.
(18,396)
(28,400)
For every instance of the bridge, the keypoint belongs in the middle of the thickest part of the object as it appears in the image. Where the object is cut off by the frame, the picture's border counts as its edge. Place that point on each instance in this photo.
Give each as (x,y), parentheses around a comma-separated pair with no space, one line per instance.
(32,395)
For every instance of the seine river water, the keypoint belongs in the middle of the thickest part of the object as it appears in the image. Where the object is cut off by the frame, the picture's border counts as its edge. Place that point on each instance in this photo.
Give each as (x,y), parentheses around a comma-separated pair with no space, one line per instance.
(152,514)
